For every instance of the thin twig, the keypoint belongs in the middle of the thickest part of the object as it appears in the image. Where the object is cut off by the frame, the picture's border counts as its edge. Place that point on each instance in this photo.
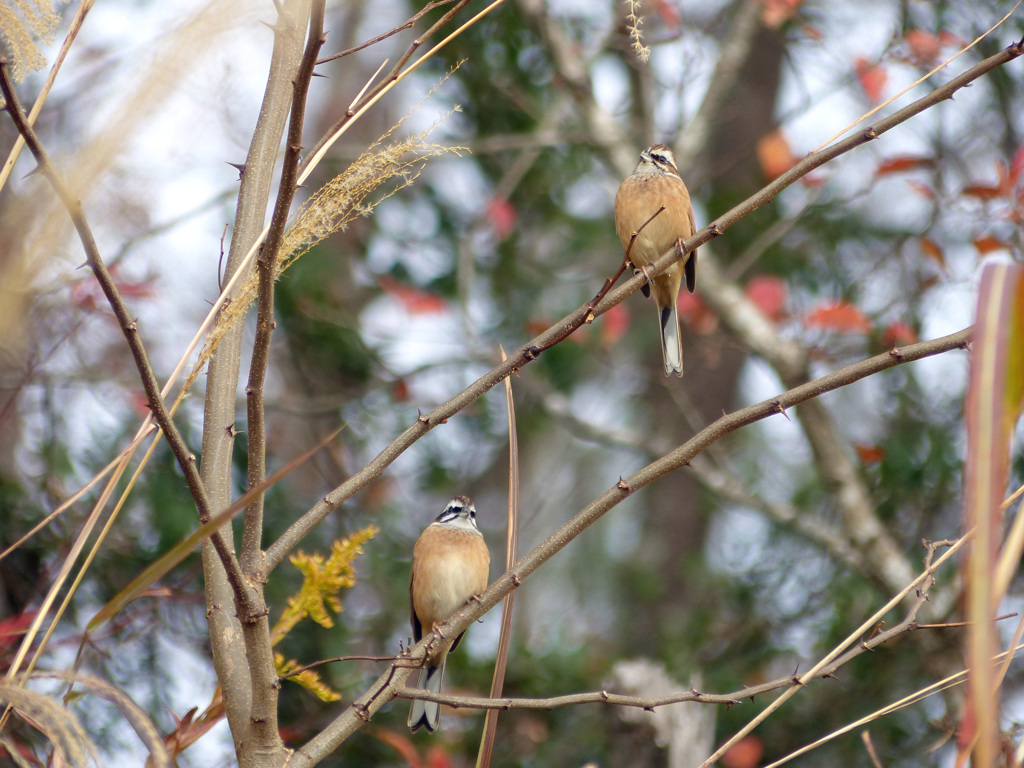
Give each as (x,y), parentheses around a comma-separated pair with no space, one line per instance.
(420,14)
(252,529)
(334,659)
(622,268)
(532,349)
(186,460)
(838,654)
(389,80)
(389,685)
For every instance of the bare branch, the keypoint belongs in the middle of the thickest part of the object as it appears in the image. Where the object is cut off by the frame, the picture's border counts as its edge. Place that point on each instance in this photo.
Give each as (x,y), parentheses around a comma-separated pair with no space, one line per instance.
(391,683)
(908,624)
(560,330)
(384,36)
(186,460)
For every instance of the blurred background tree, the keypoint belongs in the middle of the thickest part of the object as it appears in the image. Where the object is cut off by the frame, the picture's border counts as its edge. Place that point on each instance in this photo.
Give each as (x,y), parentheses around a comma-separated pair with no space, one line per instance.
(750,563)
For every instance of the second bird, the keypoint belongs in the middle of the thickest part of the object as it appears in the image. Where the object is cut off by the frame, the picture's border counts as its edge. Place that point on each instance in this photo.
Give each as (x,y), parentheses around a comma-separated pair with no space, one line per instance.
(450,564)
(655,182)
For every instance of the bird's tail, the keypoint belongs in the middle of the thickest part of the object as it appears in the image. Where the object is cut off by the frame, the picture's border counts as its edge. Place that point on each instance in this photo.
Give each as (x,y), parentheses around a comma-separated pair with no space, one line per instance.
(427,713)
(671,341)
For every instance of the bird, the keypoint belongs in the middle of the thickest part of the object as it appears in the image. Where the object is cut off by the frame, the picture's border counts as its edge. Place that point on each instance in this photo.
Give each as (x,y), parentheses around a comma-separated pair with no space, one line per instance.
(450,565)
(655,182)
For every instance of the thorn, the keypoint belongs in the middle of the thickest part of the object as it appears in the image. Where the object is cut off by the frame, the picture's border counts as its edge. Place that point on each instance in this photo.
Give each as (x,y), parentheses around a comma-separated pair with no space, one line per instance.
(317,74)
(421,418)
(240,167)
(622,485)
(782,409)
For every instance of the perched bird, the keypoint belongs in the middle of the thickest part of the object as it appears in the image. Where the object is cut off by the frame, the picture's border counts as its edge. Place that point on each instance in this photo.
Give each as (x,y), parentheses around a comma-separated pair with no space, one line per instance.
(655,182)
(450,564)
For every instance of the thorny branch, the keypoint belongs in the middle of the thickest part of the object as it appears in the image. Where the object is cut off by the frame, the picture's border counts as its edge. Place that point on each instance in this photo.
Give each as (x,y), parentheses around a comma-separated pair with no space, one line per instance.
(262,733)
(389,685)
(391,76)
(384,36)
(532,349)
(186,460)
(907,624)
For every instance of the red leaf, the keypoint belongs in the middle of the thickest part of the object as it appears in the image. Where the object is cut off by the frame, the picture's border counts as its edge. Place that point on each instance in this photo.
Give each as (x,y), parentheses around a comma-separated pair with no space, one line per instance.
(948,38)
(989,244)
(139,402)
(869,454)
(438,758)
(415,300)
(924,46)
(922,189)
(982,192)
(902,163)
(502,216)
(840,316)
(932,250)
(669,13)
(872,78)
(774,154)
(400,391)
(899,334)
(14,627)
(401,743)
(695,313)
(615,324)
(745,753)
(775,13)
(769,294)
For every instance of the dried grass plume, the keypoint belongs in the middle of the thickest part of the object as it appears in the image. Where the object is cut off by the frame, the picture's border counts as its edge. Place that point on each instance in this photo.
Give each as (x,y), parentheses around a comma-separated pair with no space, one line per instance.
(633,22)
(22,22)
(331,209)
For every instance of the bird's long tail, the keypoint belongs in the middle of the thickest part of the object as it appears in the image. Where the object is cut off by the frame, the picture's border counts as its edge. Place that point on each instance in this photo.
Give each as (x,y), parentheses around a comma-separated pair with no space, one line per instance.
(671,342)
(427,713)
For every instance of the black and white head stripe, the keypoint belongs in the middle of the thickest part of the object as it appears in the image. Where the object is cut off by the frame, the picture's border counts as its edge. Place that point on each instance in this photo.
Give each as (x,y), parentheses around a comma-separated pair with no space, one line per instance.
(459,509)
(661,156)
